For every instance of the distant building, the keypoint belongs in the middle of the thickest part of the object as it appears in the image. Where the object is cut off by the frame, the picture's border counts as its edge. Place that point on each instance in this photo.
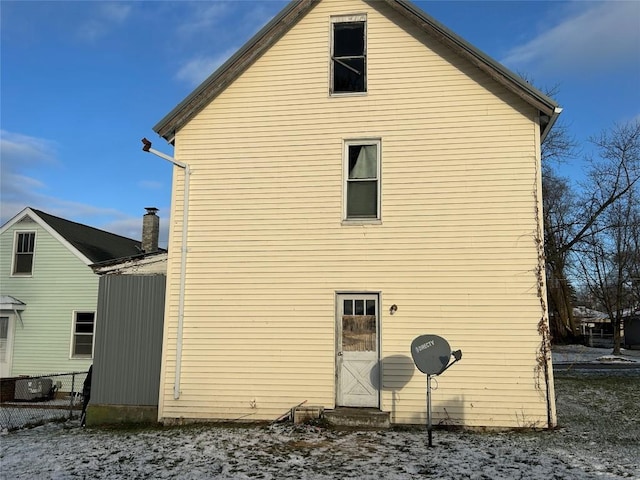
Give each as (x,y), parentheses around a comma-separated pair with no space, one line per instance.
(49,291)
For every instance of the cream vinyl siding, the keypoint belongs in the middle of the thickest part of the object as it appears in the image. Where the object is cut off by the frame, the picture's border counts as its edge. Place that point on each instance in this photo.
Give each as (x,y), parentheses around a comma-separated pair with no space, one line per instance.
(456,249)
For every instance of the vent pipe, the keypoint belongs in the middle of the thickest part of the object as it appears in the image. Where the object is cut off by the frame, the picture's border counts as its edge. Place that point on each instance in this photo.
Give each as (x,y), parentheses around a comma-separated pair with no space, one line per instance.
(183,259)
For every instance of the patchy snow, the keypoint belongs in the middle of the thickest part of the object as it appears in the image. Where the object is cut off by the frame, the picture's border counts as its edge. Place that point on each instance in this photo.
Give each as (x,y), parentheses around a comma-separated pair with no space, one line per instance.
(563,354)
(57,451)
(598,438)
(12,417)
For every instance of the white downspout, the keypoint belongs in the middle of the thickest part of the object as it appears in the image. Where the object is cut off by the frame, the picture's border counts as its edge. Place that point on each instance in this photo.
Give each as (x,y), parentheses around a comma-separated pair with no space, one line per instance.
(183,258)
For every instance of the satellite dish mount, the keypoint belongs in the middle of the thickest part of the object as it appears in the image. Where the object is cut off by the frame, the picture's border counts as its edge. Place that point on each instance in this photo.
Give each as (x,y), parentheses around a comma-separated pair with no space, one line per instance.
(432,355)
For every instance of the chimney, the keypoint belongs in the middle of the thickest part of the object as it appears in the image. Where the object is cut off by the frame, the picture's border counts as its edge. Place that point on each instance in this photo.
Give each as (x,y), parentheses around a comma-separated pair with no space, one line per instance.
(150,230)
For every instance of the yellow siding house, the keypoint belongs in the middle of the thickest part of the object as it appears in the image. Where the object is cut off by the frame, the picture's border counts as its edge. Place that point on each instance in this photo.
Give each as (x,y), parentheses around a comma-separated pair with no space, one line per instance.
(357,175)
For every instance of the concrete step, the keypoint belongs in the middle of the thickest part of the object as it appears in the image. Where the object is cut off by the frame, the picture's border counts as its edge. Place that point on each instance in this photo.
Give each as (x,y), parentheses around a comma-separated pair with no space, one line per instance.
(357,417)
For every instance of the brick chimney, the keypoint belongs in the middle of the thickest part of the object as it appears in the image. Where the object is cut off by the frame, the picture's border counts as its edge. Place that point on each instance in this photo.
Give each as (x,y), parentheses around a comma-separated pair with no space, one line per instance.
(150,230)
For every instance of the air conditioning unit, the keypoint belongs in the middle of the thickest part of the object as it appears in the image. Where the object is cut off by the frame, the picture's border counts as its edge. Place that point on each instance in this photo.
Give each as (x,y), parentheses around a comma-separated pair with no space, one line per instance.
(33,389)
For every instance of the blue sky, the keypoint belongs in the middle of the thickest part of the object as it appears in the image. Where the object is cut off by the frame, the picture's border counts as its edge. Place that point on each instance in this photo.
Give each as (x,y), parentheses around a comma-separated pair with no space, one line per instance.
(82,82)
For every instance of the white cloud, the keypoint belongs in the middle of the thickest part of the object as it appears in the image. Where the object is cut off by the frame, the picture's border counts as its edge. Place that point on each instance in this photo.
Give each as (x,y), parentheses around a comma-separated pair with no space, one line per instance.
(203,16)
(604,35)
(207,26)
(197,69)
(24,157)
(108,15)
(115,12)
(18,149)
(131,227)
(150,184)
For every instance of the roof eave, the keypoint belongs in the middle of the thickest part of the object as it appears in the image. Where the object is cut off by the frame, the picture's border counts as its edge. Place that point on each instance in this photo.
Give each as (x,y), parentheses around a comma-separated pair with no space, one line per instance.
(544,130)
(292,13)
(496,70)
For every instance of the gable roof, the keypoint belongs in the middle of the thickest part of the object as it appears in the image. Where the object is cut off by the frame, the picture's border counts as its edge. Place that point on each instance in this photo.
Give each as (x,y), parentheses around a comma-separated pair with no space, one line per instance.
(296,10)
(90,244)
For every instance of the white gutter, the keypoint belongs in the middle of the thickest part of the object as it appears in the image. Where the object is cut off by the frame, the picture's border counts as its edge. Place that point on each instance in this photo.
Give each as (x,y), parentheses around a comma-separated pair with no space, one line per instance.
(183,258)
(556,113)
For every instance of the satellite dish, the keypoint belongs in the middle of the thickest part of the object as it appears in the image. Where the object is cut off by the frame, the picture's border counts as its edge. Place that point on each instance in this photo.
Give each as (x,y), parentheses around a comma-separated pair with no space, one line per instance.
(431,354)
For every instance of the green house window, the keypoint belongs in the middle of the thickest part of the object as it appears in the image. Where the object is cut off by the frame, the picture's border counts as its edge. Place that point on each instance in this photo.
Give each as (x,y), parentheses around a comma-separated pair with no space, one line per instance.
(25,243)
(83,330)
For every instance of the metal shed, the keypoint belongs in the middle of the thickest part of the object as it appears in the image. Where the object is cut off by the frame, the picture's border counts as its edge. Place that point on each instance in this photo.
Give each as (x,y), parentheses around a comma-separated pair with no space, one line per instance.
(126,369)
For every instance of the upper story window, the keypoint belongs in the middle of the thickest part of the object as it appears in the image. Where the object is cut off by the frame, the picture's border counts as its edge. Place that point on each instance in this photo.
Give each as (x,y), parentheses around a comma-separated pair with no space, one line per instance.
(362,180)
(348,54)
(24,248)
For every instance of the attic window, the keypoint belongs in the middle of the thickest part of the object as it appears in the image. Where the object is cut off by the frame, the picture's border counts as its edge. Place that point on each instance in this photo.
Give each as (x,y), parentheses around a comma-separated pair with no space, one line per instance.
(24,248)
(349,54)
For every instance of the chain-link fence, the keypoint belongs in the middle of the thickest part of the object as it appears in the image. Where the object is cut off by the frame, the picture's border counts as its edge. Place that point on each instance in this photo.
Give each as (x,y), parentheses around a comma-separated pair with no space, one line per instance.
(29,401)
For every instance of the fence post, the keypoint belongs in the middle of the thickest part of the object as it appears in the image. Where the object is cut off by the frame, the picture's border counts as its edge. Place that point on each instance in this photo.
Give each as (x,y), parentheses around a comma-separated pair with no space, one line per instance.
(73,391)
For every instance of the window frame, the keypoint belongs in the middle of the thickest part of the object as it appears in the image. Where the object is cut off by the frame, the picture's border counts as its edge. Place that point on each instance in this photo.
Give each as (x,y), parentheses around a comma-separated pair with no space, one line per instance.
(353,18)
(15,253)
(72,347)
(8,338)
(345,182)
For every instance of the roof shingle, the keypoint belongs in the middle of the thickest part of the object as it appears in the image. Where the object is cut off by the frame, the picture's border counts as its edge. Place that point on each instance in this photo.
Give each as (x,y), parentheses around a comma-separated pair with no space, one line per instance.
(97,245)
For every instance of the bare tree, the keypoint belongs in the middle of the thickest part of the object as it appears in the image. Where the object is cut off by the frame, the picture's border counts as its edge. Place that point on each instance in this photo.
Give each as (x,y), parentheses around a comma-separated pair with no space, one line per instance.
(560,211)
(608,261)
(634,263)
(559,215)
(559,202)
(570,217)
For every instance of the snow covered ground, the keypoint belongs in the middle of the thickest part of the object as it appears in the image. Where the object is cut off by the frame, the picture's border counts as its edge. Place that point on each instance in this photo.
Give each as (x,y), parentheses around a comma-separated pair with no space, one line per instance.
(563,354)
(598,438)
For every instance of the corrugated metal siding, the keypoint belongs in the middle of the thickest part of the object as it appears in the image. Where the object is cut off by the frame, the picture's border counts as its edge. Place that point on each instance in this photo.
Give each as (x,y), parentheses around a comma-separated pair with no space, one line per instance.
(126,369)
(456,249)
(60,284)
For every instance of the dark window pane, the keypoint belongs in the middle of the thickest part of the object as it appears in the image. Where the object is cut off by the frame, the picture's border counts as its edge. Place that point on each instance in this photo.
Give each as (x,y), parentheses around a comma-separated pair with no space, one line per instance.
(84,317)
(362,199)
(83,346)
(359,307)
(348,40)
(23,263)
(371,307)
(351,78)
(348,307)
(83,338)
(25,243)
(4,328)
(84,328)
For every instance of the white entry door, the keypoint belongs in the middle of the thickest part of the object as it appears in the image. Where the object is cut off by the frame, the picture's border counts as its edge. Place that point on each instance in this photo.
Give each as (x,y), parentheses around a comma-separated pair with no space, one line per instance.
(357,355)
(6,344)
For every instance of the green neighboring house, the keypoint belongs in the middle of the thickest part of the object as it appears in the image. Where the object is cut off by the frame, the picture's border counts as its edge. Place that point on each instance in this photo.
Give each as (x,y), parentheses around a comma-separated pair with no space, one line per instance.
(49,292)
